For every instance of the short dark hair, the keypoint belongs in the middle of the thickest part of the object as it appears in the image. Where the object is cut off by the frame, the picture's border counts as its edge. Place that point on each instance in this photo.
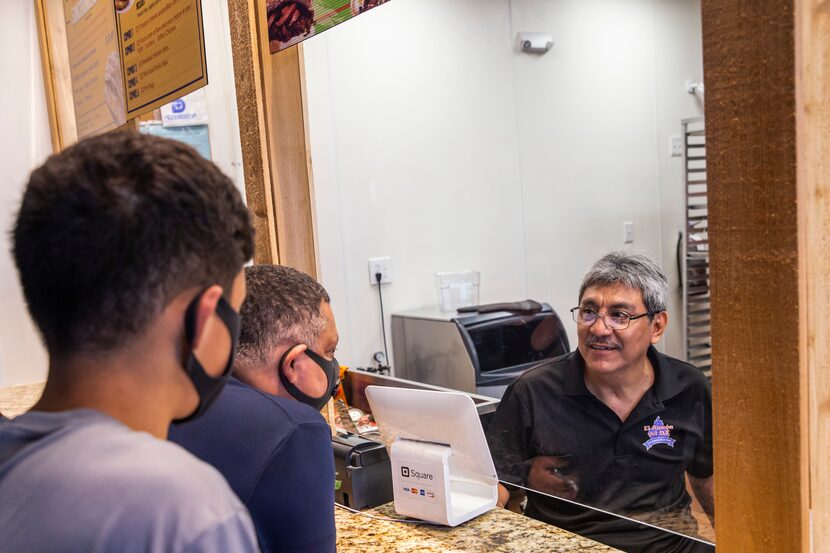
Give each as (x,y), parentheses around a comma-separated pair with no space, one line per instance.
(282,308)
(113,228)
(633,270)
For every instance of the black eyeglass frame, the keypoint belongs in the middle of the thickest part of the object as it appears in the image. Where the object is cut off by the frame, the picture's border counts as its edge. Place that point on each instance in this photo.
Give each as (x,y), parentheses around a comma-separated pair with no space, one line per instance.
(602,316)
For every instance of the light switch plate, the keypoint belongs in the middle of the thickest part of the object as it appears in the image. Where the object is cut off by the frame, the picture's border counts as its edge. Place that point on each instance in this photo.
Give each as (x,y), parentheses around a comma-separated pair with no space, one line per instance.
(628,232)
(676,145)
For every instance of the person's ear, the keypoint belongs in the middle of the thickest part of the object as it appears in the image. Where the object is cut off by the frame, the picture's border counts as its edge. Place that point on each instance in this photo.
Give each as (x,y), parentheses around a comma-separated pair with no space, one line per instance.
(205,308)
(288,369)
(658,326)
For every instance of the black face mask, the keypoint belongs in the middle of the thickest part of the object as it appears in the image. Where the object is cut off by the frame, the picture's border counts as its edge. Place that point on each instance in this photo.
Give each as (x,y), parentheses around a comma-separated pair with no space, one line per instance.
(208,387)
(332,370)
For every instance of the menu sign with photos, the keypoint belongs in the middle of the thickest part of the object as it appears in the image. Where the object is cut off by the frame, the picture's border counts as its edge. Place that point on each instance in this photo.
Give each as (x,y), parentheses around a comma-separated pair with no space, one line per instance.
(95,66)
(292,21)
(162,51)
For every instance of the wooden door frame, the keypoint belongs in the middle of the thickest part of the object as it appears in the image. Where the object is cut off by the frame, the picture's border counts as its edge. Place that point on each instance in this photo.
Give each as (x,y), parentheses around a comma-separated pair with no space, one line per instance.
(812,55)
(57,80)
(270,92)
(767,68)
(759,415)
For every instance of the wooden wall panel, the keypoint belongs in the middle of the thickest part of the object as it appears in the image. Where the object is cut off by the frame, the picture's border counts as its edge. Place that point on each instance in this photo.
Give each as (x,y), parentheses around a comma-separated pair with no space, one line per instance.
(760,415)
(270,100)
(289,153)
(252,129)
(57,78)
(812,31)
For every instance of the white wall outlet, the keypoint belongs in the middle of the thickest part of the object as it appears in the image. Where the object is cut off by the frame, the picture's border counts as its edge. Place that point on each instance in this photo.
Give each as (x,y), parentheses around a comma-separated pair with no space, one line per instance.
(628,232)
(382,265)
(676,146)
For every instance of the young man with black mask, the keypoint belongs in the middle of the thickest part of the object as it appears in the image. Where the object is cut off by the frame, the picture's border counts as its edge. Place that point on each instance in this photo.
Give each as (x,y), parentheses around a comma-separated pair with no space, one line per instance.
(129,250)
(265,434)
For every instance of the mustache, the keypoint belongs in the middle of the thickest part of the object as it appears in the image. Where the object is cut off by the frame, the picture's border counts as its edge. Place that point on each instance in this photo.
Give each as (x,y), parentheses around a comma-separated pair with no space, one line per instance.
(594,341)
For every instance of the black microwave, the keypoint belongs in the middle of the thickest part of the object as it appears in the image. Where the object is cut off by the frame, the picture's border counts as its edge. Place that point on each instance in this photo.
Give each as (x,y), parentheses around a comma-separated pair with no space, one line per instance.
(480,353)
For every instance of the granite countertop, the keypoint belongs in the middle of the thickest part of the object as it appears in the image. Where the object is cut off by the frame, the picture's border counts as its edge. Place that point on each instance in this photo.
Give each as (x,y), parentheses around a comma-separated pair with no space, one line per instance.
(16,400)
(498,530)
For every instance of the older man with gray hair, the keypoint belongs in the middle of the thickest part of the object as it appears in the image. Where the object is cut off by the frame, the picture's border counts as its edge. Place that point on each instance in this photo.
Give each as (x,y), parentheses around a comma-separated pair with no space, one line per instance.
(614,425)
(265,434)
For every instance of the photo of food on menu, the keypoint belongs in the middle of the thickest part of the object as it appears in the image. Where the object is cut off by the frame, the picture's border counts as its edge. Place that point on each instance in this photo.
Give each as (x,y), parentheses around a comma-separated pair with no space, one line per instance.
(292,21)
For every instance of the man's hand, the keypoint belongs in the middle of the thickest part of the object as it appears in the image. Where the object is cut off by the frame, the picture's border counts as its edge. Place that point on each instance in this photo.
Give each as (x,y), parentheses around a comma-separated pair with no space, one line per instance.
(511,500)
(554,476)
(704,490)
(504,496)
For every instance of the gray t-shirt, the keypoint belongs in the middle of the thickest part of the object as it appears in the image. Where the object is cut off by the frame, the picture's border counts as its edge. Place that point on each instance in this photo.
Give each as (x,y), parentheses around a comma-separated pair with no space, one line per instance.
(81,481)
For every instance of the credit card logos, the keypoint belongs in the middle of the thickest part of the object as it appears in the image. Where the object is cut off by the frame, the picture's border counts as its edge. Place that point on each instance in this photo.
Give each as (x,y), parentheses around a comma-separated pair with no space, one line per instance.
(419,492)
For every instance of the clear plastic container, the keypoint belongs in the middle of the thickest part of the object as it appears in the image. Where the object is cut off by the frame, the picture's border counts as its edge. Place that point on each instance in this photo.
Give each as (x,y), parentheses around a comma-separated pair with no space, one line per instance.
(457,289)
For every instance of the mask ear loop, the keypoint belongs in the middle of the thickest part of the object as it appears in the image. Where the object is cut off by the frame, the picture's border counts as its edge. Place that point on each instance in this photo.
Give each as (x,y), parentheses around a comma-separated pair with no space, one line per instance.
(298,394)
(323,362)
(286,384)
(190,319)
(208,387)
(225,312)
(231,319)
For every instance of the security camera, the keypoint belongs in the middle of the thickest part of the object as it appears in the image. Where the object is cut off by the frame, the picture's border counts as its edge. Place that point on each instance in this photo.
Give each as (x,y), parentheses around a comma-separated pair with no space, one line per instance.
(537,43)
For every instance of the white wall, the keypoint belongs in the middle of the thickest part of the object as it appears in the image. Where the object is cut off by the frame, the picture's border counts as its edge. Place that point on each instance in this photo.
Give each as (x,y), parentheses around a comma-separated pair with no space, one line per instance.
(24,144)
(436,142)
(614,88)
(587,124)
(220,93)
(414,146)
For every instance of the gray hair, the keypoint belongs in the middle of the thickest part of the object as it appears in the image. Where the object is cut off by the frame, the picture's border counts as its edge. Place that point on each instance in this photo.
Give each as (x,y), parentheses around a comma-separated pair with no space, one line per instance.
(282,308)
(634,271)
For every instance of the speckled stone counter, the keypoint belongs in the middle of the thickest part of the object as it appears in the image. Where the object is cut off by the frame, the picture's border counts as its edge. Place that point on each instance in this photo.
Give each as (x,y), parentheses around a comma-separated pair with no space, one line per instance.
(18,399)
(499,530)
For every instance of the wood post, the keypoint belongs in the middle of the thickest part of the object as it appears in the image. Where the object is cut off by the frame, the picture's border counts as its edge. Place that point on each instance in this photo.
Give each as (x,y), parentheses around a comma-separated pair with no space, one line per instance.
(57,79)
(270,100)
(812,54)
(767,73)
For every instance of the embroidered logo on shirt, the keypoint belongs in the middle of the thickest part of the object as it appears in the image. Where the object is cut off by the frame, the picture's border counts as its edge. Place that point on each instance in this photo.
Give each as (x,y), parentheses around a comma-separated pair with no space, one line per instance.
(658,433)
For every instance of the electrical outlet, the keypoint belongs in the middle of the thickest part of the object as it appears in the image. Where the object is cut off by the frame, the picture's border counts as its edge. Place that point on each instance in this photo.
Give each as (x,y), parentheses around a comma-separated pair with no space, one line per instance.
(382,265)
(628,232)
(676,146)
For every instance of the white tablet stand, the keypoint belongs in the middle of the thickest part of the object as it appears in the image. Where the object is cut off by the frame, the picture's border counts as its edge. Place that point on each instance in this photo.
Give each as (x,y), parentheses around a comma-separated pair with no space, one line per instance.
(442,471)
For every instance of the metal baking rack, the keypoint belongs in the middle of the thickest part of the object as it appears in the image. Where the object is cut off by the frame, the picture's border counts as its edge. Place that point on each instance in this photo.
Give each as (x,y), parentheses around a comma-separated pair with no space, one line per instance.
(694,257)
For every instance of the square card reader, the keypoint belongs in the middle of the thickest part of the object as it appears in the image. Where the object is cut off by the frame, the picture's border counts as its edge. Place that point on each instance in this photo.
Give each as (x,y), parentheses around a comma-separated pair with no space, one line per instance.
(442,471)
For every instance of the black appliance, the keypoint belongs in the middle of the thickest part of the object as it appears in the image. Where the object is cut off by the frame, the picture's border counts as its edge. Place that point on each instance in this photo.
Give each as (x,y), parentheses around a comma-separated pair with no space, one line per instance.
(363,473)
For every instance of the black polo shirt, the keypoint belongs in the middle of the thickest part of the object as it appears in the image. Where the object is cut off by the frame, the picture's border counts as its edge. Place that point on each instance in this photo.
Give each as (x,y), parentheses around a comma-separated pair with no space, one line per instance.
(634,468)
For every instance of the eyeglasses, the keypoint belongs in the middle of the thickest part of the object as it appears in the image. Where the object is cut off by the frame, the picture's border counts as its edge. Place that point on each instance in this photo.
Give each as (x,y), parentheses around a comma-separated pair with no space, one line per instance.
(615,320)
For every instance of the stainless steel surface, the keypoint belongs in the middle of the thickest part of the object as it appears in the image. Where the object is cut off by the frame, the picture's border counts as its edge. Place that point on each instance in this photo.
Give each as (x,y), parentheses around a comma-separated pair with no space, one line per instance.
(694,257)
(436,314)
(356,381)
(491,391)
(429,313)
(427,347)
(473,352)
